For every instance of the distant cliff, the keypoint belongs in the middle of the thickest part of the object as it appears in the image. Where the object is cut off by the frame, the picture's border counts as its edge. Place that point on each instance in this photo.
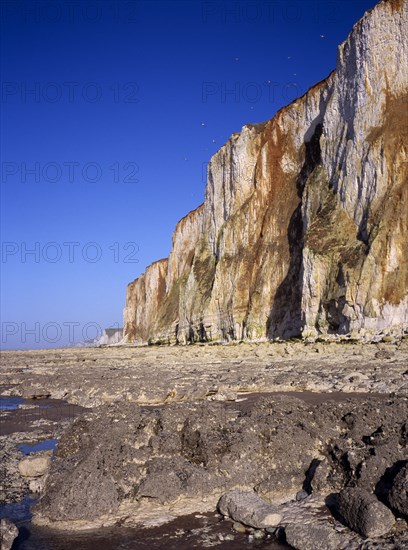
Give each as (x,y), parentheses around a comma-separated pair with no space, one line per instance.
(304,227)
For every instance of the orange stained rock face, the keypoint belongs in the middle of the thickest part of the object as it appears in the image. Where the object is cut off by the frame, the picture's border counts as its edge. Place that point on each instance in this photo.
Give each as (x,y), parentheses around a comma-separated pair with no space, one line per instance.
(304,228)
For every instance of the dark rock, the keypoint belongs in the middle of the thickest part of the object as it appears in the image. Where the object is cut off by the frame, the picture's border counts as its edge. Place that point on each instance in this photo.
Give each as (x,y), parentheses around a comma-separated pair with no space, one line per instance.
(398,495)
(12,485)
(314,537)
(404,435)
(168,478)
(364,513)
(88,478)
(201,450)
(319,481)
(8,533)
(372,442)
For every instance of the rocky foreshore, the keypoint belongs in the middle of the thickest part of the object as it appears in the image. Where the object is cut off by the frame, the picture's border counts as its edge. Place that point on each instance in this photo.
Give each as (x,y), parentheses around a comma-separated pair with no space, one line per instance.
(165,374)
(174,429)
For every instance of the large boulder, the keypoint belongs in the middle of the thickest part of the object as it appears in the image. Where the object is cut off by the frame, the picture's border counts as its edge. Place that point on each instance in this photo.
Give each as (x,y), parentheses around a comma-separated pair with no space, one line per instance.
(248,508)
(398,495)
(364,513)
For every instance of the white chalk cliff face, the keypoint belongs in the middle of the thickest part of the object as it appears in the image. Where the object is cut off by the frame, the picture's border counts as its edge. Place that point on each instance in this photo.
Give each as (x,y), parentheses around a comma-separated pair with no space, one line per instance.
(304,227)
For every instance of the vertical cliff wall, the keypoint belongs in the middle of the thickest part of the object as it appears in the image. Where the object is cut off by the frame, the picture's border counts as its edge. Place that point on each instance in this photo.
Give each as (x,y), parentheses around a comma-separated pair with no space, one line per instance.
(304,227)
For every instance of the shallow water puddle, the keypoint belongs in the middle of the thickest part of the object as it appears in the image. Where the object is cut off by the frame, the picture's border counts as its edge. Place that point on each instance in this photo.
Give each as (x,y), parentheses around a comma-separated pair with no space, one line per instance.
(45,445)
(183,533)
(18,512)
(10,403)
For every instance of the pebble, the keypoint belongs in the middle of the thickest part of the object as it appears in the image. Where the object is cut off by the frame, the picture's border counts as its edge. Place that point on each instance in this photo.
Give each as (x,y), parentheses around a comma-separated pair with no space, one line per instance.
(383,354)
(238,527)
(301,495)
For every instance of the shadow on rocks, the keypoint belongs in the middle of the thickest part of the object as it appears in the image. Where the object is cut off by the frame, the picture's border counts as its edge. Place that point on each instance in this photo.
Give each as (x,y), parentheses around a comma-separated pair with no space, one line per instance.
(23,535)
(332,503)
(310,475)
(384,485)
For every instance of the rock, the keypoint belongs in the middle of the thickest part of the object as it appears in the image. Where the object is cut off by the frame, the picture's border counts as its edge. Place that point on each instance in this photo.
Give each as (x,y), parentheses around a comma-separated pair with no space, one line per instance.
(190,454)
(383,354)
(224,396)
(398,495)
(35,466)
(364,513)
(314,537)
(13,486)
(312,251)
(248,508)
(320,479)
(34,392)
(238,527)
(36,485)
(259,534)
(8,533)
(301,495)
(372,443)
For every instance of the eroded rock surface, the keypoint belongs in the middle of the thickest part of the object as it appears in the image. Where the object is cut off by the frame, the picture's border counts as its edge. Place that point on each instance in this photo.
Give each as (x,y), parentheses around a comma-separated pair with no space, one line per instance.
(122,462)
(398,495)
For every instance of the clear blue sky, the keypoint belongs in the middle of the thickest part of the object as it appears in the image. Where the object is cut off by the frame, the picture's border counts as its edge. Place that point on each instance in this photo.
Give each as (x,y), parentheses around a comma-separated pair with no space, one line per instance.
(110,112)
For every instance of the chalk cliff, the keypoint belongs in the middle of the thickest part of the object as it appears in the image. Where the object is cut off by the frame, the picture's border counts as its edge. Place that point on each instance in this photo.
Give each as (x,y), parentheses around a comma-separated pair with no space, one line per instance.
(304,227)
